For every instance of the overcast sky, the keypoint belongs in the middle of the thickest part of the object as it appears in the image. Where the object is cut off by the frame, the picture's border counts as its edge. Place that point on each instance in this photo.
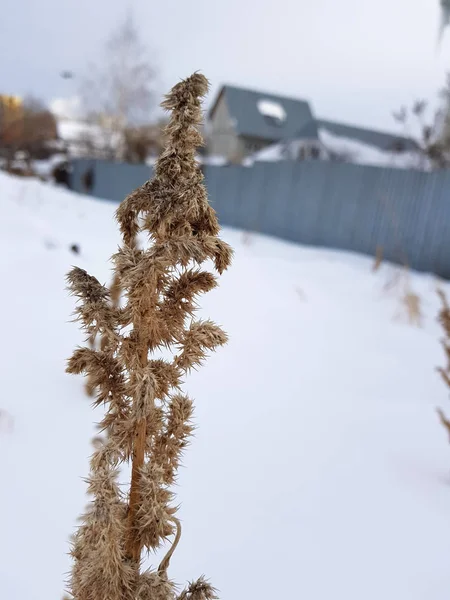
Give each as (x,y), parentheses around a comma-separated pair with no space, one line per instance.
(355,60)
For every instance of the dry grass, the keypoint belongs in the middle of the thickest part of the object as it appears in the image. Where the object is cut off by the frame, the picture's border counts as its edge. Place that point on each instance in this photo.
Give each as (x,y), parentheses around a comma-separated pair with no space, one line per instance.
(444,421)
(409,308)
(411,304)
(399,280)
(444,320)
(378,259)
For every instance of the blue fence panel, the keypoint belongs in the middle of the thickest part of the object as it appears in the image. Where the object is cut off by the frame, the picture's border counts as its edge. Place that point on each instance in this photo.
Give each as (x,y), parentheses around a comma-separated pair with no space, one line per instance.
(336,205)
(111,180)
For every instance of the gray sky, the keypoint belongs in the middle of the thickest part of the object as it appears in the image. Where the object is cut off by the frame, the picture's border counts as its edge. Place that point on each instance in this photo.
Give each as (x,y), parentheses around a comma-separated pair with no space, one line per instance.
(355,60)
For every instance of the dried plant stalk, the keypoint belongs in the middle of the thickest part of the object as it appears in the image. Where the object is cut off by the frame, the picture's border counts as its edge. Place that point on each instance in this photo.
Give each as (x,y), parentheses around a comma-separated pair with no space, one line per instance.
(410,303)
(444,320)
(147,420)
(412,306)
(378,259)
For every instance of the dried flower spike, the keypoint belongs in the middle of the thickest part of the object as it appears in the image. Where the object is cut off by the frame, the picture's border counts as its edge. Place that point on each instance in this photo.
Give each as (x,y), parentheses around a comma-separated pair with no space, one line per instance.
(148,420)
(444,320)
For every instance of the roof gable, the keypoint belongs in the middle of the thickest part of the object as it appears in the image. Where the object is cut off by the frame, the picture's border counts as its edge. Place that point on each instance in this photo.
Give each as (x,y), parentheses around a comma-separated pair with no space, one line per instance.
(265,116)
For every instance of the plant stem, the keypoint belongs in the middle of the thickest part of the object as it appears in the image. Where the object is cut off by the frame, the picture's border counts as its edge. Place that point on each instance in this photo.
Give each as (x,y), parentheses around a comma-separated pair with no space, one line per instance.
(133,545)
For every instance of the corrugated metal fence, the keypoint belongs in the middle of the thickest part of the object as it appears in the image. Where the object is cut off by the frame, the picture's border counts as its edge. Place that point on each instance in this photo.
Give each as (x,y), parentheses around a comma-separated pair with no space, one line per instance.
(335,205)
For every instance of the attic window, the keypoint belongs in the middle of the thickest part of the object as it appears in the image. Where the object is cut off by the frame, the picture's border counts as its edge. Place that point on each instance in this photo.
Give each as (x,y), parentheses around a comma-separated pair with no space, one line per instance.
(273,112)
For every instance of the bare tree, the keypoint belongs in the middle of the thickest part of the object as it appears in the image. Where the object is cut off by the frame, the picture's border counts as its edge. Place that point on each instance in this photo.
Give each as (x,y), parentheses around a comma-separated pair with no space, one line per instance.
(445,18)
(433,139)
(29,131)
(118,93)
(144,142)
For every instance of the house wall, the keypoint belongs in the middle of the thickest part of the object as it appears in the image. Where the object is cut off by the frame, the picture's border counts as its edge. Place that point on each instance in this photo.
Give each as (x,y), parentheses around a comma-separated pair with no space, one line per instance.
(222,138)
(250,145)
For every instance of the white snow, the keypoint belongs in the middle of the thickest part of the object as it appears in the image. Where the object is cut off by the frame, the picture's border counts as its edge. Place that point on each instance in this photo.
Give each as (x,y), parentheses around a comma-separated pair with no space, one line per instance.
(212,160)
(359,153)
(272,153)
(270,108)
(289,150)
(67,108)
(73,130)
(319,469)
(80,135)
(44,168)
(347,149)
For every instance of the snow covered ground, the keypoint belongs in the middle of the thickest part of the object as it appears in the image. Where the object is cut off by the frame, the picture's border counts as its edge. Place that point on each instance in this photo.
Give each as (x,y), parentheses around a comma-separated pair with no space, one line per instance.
(319,468)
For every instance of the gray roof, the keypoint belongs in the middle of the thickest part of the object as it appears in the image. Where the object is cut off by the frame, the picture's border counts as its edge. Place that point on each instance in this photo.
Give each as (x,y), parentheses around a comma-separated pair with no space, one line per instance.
(309,132)
(242,106)
(378,139)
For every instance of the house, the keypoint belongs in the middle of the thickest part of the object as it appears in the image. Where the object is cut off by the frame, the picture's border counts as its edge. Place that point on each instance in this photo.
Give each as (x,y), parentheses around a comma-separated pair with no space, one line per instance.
(248,125)
(243,121)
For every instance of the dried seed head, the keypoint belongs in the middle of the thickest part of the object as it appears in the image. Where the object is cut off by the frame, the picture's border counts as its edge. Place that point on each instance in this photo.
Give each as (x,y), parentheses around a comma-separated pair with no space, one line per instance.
(152,301)
(198,339)
(154,586)
(199,590)
(154,514)
(172,441)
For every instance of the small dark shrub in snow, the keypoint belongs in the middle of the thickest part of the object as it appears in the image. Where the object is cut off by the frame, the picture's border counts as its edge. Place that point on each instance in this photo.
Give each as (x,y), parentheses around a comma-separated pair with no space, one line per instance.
(148,418)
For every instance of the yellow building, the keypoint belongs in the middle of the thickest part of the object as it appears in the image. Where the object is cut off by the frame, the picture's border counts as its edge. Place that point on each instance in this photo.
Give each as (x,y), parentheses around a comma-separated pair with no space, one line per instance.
(10,107)
(11,112)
